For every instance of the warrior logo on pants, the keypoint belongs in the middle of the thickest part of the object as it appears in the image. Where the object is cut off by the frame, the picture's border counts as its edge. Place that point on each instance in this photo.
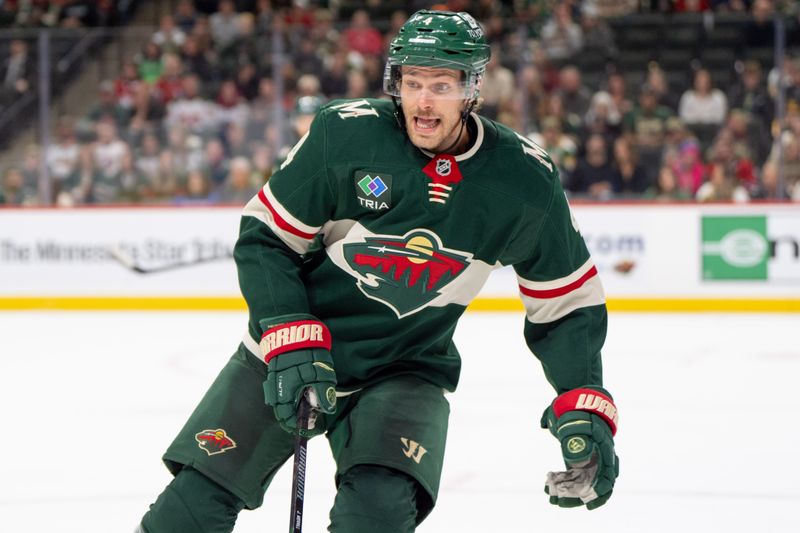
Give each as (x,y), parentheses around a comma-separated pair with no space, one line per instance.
(214,441)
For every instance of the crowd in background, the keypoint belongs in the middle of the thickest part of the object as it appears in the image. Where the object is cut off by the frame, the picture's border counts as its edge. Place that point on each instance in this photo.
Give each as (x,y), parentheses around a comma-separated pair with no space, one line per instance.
(214,100)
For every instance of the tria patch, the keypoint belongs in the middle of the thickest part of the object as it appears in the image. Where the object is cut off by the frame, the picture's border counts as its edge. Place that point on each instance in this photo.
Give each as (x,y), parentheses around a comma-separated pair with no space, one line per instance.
(405,273)
(374,190)
(214,441)
(444,173)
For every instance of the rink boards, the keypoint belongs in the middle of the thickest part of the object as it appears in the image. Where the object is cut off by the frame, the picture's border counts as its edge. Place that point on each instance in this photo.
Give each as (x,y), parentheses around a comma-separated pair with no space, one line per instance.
(651,257)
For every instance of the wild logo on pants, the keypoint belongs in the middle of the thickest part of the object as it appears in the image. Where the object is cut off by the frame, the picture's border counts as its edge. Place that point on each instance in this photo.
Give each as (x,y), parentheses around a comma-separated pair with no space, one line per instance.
(214,441)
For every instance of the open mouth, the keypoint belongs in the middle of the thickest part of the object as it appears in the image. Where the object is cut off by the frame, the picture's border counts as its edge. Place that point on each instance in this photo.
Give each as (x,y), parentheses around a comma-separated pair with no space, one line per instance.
(425,125)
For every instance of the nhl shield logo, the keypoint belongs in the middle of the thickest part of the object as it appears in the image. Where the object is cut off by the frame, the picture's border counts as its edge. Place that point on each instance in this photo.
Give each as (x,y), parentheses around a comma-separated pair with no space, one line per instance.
(214,441)
(443,167)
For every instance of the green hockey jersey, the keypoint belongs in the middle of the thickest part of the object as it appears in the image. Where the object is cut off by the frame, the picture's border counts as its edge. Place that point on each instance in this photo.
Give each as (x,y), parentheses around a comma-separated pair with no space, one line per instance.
(387,245)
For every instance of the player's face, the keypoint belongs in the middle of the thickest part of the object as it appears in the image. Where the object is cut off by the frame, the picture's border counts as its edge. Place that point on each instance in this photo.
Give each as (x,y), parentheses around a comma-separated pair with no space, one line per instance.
(432,101)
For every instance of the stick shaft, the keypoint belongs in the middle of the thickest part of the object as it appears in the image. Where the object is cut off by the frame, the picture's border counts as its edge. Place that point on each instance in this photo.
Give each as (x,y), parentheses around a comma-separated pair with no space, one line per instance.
(299,470)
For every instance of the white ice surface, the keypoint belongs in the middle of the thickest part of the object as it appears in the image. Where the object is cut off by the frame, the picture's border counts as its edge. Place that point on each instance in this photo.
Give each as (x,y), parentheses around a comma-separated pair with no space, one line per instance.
(708,439)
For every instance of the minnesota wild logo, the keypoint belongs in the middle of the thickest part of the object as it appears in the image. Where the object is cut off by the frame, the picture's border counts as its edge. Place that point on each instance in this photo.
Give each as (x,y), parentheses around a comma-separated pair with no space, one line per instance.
(405,273)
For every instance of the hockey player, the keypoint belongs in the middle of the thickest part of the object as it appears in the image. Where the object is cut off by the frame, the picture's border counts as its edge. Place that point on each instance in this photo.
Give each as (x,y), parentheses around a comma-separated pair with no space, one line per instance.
(356,260)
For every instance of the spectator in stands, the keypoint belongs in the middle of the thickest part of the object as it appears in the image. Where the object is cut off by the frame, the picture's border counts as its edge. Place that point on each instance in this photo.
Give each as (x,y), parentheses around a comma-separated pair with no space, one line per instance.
(230,107)
(262,109)
(201,33)
(245,48)
(767,187)
(597,34)
(666,188)
(240,185)
(169,37)
(63,158)
(196,60)
(215,164)
(247,81)
(191,111)
(108,107)
(361,36)
(263,161)
(561,148)
(703,104)
(630,179)
(307,59)
(357,85)
(396,21)
(571,123)
(109,158)
(688,166)
(150,166)
(224,25)
(594,174)
(498,86)
(748,137)
(722,186)
(533,99)
(760,32)
(750,94)
(128,87)
(603,118)
(645,128)
(561,37)
(657,80)
(185,16)
(182,154)
(197,191)
(334,78)
(14,191)
(234,138)
(149,63)
(170,83)
(618,89)
(18,72)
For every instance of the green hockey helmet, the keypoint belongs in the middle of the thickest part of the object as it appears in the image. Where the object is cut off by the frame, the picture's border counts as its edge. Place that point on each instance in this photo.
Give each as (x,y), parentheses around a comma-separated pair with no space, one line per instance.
(443,39)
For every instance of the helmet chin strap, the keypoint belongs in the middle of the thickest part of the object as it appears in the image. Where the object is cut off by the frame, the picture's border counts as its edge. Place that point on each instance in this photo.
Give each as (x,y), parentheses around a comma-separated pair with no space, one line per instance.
(400,118)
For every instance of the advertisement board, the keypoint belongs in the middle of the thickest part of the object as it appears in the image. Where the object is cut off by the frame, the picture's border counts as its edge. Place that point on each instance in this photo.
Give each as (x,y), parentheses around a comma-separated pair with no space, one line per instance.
(649,256)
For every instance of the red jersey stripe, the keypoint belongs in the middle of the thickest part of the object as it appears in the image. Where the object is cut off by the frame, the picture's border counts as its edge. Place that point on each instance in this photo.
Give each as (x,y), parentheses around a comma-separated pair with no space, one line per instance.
(279,219)
(560,291)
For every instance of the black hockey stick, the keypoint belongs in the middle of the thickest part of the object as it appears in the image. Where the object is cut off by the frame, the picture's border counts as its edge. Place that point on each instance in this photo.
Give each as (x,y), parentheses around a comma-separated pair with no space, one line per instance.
(130,263)
(299,470)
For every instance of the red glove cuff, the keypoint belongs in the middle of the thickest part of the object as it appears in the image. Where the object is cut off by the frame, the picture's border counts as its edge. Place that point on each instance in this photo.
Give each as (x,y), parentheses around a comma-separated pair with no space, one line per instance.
(591,401)
(298,335)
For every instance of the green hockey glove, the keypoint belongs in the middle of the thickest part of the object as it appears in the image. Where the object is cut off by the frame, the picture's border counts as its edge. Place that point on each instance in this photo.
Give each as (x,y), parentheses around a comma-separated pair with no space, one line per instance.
(584,421)
(298,357)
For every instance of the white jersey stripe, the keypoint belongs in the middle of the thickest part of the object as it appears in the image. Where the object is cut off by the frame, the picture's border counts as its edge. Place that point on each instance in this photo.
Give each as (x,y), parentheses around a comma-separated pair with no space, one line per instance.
(545,310)
(266,208)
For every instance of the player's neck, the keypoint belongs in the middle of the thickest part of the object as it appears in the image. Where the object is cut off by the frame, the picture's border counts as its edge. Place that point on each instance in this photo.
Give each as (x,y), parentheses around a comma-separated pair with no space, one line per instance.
(466,138)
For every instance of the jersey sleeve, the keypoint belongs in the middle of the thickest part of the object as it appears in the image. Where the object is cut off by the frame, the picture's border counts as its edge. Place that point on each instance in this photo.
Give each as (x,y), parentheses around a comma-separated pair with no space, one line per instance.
(278,226)
(566,318)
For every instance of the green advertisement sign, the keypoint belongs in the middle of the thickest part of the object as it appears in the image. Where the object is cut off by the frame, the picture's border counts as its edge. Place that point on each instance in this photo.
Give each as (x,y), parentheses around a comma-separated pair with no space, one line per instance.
(735,247)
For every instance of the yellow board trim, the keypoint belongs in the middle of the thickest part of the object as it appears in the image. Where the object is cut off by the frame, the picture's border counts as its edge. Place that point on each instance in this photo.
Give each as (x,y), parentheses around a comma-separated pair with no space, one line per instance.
(226,303)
